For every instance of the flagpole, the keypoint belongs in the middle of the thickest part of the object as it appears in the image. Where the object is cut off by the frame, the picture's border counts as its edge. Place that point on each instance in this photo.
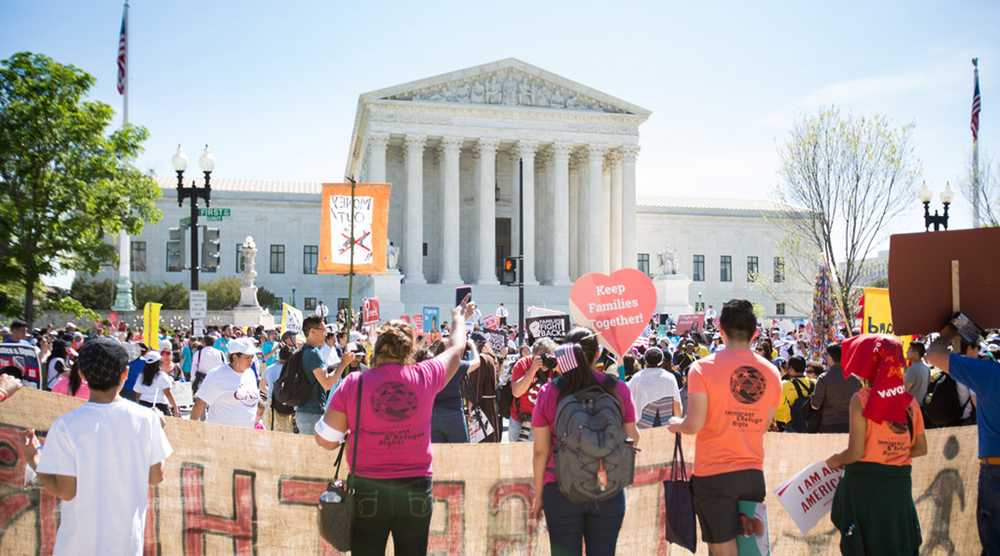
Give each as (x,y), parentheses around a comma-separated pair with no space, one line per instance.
(975,160)
(123,287)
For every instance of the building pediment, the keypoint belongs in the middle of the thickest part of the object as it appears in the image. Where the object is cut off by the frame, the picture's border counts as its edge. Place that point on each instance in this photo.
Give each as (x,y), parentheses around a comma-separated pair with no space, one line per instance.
(509,82)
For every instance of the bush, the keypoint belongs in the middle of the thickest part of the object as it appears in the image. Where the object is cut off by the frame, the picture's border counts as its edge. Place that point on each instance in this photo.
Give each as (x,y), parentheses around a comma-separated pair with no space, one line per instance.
(266,299)
(223,293)
(96,294)
(171,296)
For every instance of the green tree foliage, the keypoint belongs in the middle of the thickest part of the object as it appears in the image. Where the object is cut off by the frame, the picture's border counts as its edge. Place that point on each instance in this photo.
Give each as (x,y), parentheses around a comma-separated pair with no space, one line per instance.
(65,184)
(67,304)
(95,294)
(266,298)
(223,293)
(171,296)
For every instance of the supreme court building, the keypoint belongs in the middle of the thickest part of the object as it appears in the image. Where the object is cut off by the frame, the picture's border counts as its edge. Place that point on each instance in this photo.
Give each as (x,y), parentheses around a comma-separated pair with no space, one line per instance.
(452,147)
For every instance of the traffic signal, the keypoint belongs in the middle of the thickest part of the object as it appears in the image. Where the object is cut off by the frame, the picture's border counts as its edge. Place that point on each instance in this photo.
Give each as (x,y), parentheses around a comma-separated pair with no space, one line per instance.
(509,274)
(175,250)
(211,250)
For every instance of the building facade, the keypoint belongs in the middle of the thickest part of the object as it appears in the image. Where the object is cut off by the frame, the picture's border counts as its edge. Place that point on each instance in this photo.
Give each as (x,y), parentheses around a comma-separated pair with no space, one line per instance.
(454,148)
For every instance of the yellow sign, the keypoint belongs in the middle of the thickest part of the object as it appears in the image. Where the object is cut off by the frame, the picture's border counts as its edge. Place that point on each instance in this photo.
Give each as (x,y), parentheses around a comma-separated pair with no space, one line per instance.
(877,316)
(151,325)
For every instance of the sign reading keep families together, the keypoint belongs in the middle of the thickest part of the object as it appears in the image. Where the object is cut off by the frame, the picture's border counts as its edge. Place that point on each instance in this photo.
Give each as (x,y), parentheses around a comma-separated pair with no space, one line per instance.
(617,307)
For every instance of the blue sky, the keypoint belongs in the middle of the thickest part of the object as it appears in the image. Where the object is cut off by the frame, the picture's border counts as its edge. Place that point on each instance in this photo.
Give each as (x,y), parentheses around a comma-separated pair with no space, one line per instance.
(273,86)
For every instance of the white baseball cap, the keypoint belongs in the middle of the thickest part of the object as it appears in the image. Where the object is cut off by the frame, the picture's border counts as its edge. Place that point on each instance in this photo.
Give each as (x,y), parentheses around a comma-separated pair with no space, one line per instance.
(243,345)
(151,356)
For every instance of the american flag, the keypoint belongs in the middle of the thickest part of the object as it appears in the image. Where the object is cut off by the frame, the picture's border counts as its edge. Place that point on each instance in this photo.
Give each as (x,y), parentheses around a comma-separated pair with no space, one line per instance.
(566,358)
(123,51)
(976,104)
(643,339)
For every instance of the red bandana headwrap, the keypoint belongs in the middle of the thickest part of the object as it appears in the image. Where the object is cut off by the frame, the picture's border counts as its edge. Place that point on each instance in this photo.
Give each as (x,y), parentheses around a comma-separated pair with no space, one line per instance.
(878,359)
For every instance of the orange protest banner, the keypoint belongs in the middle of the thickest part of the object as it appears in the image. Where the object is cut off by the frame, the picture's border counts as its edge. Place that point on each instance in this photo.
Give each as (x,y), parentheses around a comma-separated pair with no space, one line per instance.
(371,215)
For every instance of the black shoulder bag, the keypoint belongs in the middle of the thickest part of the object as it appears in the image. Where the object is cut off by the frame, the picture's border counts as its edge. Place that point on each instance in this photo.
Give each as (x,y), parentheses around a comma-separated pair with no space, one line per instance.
(336,504)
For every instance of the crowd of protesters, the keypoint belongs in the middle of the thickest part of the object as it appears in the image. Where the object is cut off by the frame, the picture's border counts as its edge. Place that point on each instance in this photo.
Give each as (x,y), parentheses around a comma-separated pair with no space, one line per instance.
(728,382)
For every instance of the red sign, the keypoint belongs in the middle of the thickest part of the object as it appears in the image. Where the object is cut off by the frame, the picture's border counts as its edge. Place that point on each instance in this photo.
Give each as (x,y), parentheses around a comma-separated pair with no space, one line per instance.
(491,322)
(418,322)
(686,323)
(370,310)
(618,307)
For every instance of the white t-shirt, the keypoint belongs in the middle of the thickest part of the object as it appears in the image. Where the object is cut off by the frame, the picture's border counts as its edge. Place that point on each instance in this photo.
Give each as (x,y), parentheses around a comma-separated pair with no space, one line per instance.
(154,392)
(207,360)
(654,391)
(57,366)
(231,397)
(109,448)
(329,355)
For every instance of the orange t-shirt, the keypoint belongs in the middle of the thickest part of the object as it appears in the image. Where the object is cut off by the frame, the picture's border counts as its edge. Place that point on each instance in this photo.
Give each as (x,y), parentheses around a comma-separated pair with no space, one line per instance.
(890,443)
(743,389)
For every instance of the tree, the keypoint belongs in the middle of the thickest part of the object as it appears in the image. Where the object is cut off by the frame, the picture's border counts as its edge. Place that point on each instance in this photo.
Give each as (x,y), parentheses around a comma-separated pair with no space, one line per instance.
(853,175)
(171,296)
(223,293)
(93,294)
(64,184)
(988,192)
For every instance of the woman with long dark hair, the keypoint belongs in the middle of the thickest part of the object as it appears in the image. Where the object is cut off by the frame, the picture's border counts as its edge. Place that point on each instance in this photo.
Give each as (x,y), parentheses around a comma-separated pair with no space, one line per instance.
(154,386)
(72,383)
(573,521)
(57,364)
(394,401)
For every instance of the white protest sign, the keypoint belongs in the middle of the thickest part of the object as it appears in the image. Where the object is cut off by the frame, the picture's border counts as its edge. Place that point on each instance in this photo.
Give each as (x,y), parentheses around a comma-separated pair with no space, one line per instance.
(808,496)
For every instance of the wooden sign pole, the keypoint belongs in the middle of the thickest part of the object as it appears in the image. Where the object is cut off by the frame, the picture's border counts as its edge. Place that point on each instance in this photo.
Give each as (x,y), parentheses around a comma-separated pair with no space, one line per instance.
(956,343)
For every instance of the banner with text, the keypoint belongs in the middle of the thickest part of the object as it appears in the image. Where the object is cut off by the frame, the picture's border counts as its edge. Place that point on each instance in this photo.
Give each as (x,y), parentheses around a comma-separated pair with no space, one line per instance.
(877,315)
(553,326)
(240,491)
(371,215)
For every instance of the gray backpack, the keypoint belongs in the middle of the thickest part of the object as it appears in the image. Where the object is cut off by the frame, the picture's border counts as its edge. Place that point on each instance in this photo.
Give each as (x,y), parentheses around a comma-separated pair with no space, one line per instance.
(594,458)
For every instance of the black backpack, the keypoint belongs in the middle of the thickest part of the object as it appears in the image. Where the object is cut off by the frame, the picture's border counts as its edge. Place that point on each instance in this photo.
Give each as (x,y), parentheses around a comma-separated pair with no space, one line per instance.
(594,459)
(293,387)
(942,408)
(800,409)
(505,397)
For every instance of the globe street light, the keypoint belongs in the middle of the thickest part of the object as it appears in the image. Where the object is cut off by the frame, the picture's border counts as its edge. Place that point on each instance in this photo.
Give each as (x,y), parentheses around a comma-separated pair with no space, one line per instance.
(207,163)
(936,219)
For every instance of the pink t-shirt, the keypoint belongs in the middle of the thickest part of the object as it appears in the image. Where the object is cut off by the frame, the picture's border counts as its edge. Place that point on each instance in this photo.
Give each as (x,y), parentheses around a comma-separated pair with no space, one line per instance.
(544,414)
(395,432)
(62,387)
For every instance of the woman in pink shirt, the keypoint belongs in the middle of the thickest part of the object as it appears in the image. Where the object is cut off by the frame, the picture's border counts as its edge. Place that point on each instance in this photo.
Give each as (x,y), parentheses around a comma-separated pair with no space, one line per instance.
(72,384)
(392,439)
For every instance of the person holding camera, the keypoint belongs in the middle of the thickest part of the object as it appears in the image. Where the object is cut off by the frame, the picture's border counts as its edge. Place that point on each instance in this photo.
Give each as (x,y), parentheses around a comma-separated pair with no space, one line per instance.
(528,376)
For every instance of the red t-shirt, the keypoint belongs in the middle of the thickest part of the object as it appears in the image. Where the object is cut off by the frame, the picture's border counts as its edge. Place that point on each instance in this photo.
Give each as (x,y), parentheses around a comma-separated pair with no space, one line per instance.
(526,403)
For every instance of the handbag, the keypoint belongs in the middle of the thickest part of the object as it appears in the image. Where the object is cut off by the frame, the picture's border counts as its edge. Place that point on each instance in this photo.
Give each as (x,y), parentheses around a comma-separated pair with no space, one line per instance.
(680,529)
(479,426)
(336,504)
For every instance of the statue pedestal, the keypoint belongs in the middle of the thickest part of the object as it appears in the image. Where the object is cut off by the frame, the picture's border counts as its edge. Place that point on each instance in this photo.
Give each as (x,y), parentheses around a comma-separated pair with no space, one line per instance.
(387,289)
(252,316)
(123,295)
(248,297)
(673,294)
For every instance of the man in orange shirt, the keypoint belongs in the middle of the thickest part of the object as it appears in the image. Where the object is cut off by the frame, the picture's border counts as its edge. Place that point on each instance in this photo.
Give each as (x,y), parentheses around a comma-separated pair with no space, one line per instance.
(732,397)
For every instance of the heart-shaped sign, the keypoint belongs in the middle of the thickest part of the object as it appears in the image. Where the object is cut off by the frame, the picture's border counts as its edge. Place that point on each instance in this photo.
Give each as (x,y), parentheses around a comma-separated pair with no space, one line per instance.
(618,307)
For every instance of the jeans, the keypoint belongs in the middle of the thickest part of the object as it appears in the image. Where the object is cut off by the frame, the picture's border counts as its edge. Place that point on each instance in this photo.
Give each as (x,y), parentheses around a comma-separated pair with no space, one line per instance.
(307,421)
(399,506)
(988,508)
(448,426)
(570,524)
(514,432)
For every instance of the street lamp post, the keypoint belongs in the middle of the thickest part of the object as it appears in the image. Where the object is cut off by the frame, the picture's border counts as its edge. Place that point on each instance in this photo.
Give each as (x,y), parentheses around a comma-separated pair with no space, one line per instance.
(207,163)
(936,220)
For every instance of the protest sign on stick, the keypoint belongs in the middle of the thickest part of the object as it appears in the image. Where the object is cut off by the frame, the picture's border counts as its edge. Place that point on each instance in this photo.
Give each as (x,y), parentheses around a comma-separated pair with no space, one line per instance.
(921,285)
(371,214)
(370,311)
(554,326)
(432,319)
(617,307)
(808,496)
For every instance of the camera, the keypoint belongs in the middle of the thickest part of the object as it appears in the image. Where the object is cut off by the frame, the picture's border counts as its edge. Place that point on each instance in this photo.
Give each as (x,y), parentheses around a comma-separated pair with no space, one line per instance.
(548,361)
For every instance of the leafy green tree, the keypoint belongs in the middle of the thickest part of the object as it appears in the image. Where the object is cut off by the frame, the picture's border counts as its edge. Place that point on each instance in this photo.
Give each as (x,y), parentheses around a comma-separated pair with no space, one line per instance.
(93,294)
(266,298)
(65,185)
(172,296)
(223,293)
(66,304)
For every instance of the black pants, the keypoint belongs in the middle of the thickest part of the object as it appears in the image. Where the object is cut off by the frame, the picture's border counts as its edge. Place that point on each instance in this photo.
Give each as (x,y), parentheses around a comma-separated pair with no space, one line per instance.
(198,378)
(164,408)
(398,506)
(844,427)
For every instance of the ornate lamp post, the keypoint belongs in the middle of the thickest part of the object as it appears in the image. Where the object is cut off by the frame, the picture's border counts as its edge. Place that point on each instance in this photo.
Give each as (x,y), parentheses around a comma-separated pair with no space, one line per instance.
(936,220)
(207,163)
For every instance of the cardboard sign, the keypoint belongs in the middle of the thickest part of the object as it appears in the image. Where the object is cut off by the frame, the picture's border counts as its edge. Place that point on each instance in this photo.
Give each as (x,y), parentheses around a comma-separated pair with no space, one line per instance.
(370,311)
(555,326)
(689,322)
(920,278)
(432,319)
(808,496)
(371,215)
(21,361)
(617,307)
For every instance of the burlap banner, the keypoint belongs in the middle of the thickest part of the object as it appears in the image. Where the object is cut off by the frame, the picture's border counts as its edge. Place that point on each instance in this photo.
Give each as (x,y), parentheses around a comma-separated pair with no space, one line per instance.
(250,492)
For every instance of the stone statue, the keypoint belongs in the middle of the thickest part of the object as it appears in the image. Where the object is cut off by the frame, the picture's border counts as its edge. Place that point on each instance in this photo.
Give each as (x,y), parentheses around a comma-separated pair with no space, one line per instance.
(668,261)
(510,91)
(248,291)
(556,100)
(478,94)
(462,92)
(493,93)
(571,102)
(524,93)
(392,257)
